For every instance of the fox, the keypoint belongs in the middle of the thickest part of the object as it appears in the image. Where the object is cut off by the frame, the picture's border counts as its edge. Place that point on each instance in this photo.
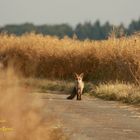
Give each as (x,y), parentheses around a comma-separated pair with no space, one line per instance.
(78,88)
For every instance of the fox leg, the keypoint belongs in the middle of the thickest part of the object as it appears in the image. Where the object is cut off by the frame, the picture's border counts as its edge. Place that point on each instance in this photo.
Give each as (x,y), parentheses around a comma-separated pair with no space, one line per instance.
(79,94)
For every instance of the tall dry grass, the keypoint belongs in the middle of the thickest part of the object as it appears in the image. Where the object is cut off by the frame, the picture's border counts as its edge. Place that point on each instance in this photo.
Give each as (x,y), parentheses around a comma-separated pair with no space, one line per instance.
(49,57)
(21,113)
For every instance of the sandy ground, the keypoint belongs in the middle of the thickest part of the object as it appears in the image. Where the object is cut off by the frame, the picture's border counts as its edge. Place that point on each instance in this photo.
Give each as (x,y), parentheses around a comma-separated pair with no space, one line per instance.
(92,118)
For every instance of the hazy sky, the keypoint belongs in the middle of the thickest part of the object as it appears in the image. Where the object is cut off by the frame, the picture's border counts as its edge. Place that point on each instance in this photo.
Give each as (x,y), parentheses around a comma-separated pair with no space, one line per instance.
(68,11)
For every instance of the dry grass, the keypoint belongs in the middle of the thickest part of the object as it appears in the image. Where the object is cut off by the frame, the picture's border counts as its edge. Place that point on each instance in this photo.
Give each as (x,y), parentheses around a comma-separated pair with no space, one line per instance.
(50,57)
(21,113)
(39,56)
(127,93)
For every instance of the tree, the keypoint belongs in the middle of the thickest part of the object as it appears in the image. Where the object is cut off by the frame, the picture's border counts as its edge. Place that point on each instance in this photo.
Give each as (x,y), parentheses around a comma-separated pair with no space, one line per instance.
(134,26)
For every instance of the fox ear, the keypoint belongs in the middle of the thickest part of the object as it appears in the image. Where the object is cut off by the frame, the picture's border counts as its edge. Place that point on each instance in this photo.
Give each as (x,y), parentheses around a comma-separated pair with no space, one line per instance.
(82,75)
(75,75)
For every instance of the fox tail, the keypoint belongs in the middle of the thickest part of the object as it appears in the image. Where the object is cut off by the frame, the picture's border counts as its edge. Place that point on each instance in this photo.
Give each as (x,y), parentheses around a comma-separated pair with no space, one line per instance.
(73,94)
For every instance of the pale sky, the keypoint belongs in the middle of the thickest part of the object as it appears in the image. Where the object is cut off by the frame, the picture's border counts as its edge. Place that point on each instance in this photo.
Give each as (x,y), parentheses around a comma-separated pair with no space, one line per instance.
(68,11)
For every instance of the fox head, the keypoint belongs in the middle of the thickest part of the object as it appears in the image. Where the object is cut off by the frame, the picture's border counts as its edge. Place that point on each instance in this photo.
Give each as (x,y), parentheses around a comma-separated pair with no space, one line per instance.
(78,77)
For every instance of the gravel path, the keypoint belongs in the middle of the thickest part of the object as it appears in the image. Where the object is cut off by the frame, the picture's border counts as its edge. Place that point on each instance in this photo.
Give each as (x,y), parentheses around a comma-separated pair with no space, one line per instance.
(94,119)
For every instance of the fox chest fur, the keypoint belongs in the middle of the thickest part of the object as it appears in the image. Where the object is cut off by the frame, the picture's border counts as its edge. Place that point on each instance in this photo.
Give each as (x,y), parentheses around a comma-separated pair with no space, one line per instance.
(79,86)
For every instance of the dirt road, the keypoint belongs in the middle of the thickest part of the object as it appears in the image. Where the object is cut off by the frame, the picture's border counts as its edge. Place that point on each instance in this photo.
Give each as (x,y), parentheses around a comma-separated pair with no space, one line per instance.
(94,119)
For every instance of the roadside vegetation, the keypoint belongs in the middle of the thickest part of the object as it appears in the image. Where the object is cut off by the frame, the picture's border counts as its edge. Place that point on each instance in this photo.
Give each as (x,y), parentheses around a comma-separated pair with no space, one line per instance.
(116,91)
(127,93)
(37,58)
(49,57)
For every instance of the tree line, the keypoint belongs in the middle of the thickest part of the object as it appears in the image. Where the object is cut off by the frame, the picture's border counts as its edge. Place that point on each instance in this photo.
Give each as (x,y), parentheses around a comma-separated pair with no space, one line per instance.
(87,30)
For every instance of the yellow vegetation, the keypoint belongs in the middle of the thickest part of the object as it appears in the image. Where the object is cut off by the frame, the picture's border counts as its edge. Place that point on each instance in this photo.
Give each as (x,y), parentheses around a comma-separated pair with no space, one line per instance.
(128,93)
(50,57)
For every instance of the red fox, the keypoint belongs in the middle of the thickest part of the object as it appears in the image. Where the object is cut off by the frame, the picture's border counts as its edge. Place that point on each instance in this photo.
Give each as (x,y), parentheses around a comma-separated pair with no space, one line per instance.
(78,89)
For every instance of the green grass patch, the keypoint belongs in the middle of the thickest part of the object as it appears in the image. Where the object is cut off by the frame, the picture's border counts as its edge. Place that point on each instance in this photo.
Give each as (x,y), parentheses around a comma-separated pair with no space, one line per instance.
(43,85)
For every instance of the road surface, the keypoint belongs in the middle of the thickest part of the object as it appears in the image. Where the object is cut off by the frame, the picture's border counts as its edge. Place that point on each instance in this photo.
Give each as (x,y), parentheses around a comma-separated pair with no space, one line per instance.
(92,118)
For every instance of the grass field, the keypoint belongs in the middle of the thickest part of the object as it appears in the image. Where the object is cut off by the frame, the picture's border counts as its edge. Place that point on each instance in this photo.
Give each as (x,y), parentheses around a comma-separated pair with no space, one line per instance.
(49,57)
(39,57)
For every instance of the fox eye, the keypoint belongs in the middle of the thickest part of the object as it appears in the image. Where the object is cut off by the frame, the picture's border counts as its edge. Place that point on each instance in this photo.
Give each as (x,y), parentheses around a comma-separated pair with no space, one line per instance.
(77,78)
